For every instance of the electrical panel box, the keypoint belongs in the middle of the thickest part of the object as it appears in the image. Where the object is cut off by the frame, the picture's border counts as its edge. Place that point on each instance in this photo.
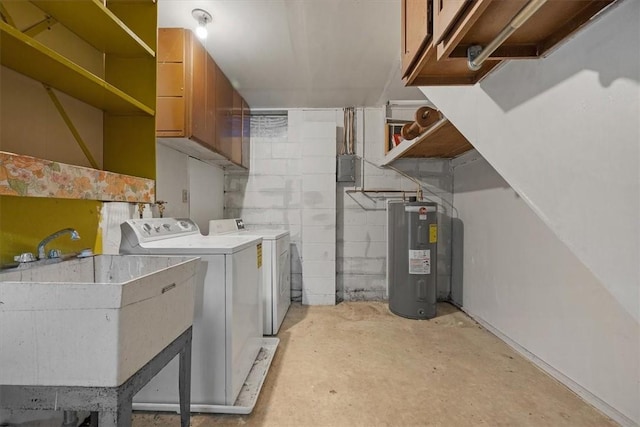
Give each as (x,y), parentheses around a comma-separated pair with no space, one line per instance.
(346,168)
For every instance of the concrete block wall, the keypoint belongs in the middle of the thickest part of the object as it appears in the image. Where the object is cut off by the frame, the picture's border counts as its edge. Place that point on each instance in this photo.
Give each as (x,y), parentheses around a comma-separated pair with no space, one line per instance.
(361,216)
(338,235)
(269,194)
(291,184)
(315,131)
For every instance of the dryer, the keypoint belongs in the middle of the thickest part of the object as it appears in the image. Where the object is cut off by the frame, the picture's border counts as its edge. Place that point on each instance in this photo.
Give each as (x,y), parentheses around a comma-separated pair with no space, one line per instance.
(276,274)
(227,327)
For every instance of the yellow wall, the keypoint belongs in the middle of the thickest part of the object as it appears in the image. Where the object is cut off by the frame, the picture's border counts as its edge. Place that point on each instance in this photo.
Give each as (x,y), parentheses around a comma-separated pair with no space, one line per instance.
(31,125)
(25,221)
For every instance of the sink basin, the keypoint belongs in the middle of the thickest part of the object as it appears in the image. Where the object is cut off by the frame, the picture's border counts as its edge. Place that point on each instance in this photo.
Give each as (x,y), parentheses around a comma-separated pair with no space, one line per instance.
(92,321)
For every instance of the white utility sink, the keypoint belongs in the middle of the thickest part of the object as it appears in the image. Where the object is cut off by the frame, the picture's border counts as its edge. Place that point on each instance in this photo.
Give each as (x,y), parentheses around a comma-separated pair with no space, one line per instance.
(92,321)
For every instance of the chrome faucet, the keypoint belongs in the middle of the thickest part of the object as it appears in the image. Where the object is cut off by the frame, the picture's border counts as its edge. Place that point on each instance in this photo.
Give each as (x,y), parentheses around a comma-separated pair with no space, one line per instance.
(74,236)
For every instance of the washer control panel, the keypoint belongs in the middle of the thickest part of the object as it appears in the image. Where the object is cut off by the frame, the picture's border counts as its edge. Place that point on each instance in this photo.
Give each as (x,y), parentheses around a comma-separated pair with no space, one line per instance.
(150,229)
(224,226)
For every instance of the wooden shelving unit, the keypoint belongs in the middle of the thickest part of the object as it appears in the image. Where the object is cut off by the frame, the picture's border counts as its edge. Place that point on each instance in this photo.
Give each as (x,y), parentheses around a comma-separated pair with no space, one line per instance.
(97,25)
(435,40)
(124,35)
(442,140)
(33,59)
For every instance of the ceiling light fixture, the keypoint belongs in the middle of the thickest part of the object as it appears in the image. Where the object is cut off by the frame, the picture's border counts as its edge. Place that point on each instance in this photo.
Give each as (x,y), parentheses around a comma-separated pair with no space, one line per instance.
(203,17)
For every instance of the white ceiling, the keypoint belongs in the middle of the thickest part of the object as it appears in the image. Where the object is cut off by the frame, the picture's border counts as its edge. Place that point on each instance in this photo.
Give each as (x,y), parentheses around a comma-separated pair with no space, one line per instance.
(303,53)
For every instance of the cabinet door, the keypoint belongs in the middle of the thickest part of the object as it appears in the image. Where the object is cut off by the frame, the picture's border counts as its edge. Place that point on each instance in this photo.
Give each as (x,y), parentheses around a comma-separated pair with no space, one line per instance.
(417,28)
(236,129)
(198,92)
(246,134)
(170,45)
(446,13)
(170,89)
(171,79)
(224,104)
(170,116)
(211,101)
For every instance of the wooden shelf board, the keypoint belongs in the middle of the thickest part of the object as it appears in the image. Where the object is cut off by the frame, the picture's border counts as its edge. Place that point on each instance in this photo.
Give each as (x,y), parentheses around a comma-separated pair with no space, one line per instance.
(96,24)
(442,140)
(33,59)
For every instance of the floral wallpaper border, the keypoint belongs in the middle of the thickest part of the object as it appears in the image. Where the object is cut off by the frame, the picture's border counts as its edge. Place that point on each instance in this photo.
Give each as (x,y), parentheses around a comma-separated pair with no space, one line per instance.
(32,177)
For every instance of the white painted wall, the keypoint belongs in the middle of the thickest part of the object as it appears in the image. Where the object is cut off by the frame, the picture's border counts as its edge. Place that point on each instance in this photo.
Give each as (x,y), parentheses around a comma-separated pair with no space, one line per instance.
(528,287)
(203,182)
(564,133)
(31,125)
(206,193)
(172,176)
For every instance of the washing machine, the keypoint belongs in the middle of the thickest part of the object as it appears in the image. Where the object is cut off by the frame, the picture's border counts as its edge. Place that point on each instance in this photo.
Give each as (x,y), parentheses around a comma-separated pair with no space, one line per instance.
(276,272)
(230,357)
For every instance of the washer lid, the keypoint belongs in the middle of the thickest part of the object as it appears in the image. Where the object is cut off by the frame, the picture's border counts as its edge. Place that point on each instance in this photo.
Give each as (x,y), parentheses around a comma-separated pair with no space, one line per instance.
(199,245)
(266,234)
(176,237)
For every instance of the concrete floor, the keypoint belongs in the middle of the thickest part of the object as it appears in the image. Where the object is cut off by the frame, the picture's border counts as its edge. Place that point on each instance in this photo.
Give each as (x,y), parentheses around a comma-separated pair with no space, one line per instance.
(356,364)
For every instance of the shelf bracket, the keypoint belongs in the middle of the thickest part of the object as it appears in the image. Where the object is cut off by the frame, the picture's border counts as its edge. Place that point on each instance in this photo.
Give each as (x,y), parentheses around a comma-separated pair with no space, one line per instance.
(41,26)
(472,54)
(71,126)
(4,14)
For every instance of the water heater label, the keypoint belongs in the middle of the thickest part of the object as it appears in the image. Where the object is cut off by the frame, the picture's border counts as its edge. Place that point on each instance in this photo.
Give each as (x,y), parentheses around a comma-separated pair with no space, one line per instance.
(433,233)
(419,261)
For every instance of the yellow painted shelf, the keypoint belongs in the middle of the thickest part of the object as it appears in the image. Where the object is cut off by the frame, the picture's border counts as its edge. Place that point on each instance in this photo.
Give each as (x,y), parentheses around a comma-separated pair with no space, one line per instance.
(33,59)
(97,25)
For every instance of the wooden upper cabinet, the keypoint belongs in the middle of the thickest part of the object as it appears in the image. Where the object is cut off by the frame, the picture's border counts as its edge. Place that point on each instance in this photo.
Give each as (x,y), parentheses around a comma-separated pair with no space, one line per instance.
(183,88)
(196,105)
(460,24)
(417,29)
(171,81)
(446,12)
(171,45)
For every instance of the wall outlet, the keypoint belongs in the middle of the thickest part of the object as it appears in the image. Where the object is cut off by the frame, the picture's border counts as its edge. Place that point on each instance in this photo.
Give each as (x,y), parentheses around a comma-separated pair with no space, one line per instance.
(185,196)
